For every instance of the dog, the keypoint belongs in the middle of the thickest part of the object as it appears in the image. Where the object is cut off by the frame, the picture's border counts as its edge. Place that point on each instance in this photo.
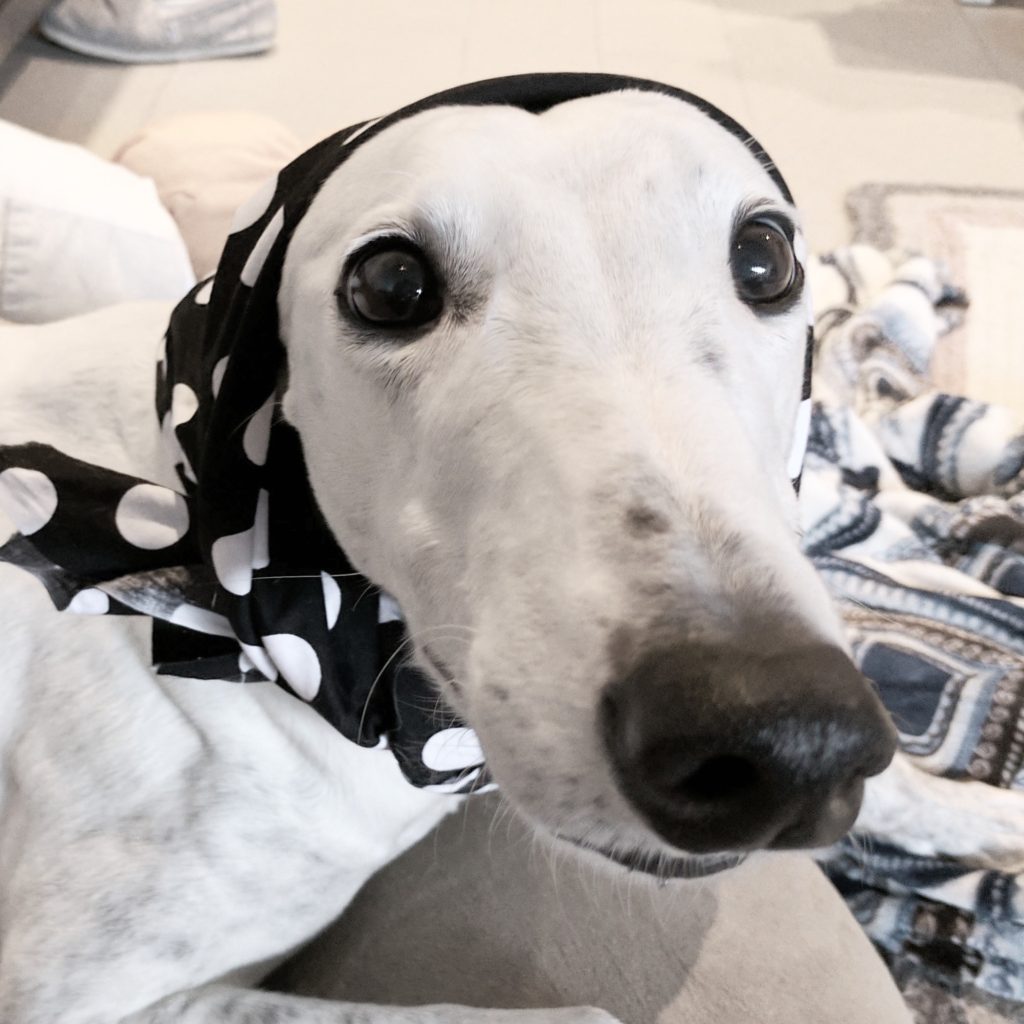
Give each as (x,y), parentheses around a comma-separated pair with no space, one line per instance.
(566,454)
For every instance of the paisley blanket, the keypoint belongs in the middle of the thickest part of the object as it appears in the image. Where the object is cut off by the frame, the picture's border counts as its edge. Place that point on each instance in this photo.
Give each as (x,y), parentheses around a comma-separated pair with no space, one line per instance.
(913,510)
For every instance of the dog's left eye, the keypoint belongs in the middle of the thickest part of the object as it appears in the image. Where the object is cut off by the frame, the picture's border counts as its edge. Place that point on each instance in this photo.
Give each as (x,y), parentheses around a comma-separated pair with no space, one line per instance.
(763,264)
(391,284)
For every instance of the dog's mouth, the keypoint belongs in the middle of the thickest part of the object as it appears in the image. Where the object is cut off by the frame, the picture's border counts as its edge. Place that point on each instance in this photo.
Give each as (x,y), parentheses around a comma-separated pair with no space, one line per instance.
(663,866)
(658,865)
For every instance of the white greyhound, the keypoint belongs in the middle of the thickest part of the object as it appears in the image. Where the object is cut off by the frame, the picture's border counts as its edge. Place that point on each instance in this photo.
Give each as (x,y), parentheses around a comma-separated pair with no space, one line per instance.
(573,479)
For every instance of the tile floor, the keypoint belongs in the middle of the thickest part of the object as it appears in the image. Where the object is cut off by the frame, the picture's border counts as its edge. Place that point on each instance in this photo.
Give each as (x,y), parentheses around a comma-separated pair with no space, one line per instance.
(840,91)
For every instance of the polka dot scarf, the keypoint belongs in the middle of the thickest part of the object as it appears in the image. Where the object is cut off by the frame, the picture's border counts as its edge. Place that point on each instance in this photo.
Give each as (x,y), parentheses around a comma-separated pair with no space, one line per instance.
(237,569)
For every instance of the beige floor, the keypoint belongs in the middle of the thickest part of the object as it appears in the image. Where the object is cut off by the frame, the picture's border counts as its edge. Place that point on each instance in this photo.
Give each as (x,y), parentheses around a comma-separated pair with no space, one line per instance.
(840,91)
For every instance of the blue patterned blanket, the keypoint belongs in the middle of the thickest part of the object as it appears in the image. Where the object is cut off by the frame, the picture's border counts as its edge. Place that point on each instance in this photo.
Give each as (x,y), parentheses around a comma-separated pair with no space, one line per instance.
(913,511)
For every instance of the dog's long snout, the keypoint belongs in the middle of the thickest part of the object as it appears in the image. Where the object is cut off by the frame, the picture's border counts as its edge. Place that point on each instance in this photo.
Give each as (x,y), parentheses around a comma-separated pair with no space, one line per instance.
(731,751)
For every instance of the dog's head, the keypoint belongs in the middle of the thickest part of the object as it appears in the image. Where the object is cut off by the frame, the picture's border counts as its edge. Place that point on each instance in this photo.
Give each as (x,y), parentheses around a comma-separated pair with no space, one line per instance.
(546,371)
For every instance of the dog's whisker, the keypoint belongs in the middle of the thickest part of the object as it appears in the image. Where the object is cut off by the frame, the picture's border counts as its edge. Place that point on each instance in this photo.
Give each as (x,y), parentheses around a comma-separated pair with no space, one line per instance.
(419,633)
(368,589)
(306,576)
(882,615)
(373,686)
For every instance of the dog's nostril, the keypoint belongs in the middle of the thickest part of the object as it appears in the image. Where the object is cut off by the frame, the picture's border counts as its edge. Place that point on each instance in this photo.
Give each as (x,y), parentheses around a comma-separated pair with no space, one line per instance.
(719,779)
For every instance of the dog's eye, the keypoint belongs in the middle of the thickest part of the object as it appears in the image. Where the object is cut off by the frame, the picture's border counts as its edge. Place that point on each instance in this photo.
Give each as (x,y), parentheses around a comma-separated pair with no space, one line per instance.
(391,285)
(763,264)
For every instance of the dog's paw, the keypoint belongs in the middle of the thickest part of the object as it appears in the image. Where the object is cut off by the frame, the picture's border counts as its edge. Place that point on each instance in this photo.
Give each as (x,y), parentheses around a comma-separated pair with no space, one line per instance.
(985,827)
(973,822)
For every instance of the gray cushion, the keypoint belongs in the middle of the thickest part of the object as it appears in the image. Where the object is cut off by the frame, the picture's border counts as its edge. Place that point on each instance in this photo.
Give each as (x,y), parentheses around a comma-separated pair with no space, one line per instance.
(480,913)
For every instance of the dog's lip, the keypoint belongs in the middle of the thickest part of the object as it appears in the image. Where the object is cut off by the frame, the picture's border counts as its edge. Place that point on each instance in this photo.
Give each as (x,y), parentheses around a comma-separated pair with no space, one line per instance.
(664,866)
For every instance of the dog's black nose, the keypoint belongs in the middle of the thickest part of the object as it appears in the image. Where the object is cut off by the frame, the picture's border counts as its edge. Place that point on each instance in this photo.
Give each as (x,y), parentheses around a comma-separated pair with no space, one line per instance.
(725,750)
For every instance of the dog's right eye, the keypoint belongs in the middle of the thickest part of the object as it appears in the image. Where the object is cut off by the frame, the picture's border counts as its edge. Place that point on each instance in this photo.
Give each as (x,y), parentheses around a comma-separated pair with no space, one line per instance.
(390,284)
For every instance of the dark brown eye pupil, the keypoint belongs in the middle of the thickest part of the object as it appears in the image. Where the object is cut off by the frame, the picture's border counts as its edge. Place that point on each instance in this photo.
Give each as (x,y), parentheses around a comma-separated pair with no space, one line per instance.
(763,265)
(392,287)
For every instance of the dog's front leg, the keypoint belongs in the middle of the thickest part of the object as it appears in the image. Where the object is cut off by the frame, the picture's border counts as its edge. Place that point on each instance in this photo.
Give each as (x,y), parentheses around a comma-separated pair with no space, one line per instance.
(221,1004)
(979,824)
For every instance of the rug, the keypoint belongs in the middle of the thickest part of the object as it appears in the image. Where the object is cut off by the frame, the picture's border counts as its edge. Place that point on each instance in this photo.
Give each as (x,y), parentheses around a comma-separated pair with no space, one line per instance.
(978,235)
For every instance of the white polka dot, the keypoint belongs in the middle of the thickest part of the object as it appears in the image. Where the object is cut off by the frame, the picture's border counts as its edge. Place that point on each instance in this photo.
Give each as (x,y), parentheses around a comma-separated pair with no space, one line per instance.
(260,530)
(454,785)
(388,610)
(258,659)
(801,434)
(382,743)
(202,297)
(232,561)
(28,497)
(202,620)
(256,438)
(183,404)
(255,206)
(151,517)
(452,749)
(258,256)
(218,374)
(297,662)
(332,599)
(89,602)
(235,556)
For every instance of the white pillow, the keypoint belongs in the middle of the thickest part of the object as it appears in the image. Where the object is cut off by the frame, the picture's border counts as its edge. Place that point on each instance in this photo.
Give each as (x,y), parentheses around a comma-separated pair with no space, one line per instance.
(78,232)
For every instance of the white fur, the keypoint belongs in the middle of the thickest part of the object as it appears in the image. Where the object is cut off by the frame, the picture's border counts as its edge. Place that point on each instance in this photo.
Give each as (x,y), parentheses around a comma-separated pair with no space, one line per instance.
(485,474)
(166,841)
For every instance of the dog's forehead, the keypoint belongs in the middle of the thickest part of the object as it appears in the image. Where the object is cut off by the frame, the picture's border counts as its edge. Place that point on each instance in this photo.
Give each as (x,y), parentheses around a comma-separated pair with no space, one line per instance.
(628,139)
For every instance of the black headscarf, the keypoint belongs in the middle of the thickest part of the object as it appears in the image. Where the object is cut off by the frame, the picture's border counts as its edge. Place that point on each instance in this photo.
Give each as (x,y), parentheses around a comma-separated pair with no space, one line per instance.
(238,570)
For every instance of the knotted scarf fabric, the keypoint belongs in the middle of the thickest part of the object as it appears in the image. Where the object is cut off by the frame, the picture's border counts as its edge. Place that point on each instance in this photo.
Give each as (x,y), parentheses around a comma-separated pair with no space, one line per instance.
(242,578)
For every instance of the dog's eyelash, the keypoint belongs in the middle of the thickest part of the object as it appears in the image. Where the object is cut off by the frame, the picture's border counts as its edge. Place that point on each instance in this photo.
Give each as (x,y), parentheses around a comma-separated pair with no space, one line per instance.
(764,209)
(392,234)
